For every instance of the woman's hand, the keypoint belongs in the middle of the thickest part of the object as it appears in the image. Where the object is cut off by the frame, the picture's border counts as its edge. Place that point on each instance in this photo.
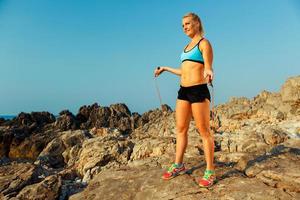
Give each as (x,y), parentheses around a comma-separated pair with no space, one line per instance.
(208,75)
(158,71)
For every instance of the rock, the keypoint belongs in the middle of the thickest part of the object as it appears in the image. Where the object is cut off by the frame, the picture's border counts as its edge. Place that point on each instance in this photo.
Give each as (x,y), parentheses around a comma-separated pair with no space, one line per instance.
(166,108)
(279,169)
(273,136)
(268,111)
(102,132)
(30,147)
(231,157)
(2,121)
(136,120)
(16,138)
(84,113)
(48,189)
(262,97)
(152,147)
(243,141)
(137,186)
(155,123)
(244,161)
(122,155)
(26,119)
(116,116)
(5,141)
(269,106)
(291,127)
(103,153)
(290,91)
(100,117)
(11,137)
(87,176)
(292,143)
(66,121)
(120,118)
(236,188)
(73,141)
(236,108)
(63,150)
(16,176)
(52,154)
(111,184)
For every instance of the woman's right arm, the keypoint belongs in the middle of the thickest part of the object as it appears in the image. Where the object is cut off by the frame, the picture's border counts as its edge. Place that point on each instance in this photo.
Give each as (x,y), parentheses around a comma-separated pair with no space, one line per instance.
(159,70)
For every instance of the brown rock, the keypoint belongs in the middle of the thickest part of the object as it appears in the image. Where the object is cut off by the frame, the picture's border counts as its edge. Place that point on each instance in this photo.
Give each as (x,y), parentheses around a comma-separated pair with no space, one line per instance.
(278,169)
(84,113)
(243,141)
(152,147)
(48,189)
(66,121)
(146,183)
(103,152)
(290,91)
(63,150)
(237,188)
(111,185)
(274,136)
(16,176)
(31,146)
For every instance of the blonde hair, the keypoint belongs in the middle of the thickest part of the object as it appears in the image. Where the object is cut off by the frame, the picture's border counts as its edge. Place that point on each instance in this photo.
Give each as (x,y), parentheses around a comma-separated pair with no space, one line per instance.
(196,18)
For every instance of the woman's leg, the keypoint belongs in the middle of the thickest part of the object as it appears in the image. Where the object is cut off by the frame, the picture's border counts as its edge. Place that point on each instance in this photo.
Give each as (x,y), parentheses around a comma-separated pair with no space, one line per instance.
(183,118)
(201,114)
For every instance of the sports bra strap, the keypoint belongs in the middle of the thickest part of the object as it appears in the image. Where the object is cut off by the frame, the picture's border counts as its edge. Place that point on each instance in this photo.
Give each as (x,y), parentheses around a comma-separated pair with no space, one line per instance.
(200,40)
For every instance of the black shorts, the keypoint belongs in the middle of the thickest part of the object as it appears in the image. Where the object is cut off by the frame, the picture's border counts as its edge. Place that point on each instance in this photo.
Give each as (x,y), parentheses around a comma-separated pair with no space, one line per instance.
(195,93)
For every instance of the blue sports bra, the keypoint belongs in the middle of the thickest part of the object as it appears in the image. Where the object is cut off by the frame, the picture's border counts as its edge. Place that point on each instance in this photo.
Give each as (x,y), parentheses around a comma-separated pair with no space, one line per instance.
(194,54)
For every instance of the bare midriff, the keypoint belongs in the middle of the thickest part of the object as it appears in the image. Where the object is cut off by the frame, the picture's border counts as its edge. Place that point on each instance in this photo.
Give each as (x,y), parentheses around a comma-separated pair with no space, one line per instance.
(192,74)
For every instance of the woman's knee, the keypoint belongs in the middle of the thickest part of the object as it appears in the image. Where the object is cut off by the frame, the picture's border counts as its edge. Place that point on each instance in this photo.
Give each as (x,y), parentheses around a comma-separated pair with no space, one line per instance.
(181,129)
(204,131)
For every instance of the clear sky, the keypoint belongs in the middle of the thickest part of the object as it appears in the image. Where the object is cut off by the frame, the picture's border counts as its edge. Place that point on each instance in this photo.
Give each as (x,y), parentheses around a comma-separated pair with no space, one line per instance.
(62,54)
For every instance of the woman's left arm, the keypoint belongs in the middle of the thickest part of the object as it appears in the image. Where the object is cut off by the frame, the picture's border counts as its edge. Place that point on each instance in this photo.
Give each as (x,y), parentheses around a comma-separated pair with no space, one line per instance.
(207,53)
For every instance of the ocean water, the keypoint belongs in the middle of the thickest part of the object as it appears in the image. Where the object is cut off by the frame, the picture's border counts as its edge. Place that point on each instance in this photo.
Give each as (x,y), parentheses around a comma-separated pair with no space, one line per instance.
(7,116)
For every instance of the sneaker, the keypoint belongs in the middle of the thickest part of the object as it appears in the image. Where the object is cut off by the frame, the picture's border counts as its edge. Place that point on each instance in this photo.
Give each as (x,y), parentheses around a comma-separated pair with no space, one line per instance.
(208,179)
(173,171)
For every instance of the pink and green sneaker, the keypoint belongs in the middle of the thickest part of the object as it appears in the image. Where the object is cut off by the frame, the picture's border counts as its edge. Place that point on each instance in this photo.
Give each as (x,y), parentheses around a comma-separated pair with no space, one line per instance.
(208,179)
(174,171)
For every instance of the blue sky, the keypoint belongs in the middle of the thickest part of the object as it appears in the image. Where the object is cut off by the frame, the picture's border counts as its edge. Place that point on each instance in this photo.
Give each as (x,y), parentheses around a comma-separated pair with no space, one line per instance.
(62,54)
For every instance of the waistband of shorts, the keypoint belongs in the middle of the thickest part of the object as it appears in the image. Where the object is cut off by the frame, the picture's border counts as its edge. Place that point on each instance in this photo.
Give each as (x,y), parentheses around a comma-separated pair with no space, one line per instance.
(204,85)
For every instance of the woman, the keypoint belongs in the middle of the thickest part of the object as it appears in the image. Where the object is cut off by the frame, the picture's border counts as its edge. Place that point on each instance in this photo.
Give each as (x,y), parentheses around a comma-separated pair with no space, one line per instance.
(193,97)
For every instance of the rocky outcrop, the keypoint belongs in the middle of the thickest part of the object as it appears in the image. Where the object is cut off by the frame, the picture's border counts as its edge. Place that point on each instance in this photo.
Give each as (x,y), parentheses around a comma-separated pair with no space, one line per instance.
(84,113)
(116,116)
(34,119)
(146,183)
(2,121)
(16,176)
(266,107)
(23,136)
(152,147)
(46,189)
(117,154)
(66,121)
(290,91)
(63,150)
(103,153)
(140,183)
(30,147)
(279,168)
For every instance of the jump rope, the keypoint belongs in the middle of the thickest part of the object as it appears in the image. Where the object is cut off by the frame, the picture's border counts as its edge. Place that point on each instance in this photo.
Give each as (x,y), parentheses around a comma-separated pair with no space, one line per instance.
(161,102)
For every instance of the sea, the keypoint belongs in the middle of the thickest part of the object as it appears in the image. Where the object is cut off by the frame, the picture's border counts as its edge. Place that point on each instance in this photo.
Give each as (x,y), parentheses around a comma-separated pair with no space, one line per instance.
(8,116)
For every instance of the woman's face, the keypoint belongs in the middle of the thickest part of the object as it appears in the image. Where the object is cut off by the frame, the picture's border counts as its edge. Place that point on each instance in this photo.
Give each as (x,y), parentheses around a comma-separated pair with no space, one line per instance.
(190,26)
